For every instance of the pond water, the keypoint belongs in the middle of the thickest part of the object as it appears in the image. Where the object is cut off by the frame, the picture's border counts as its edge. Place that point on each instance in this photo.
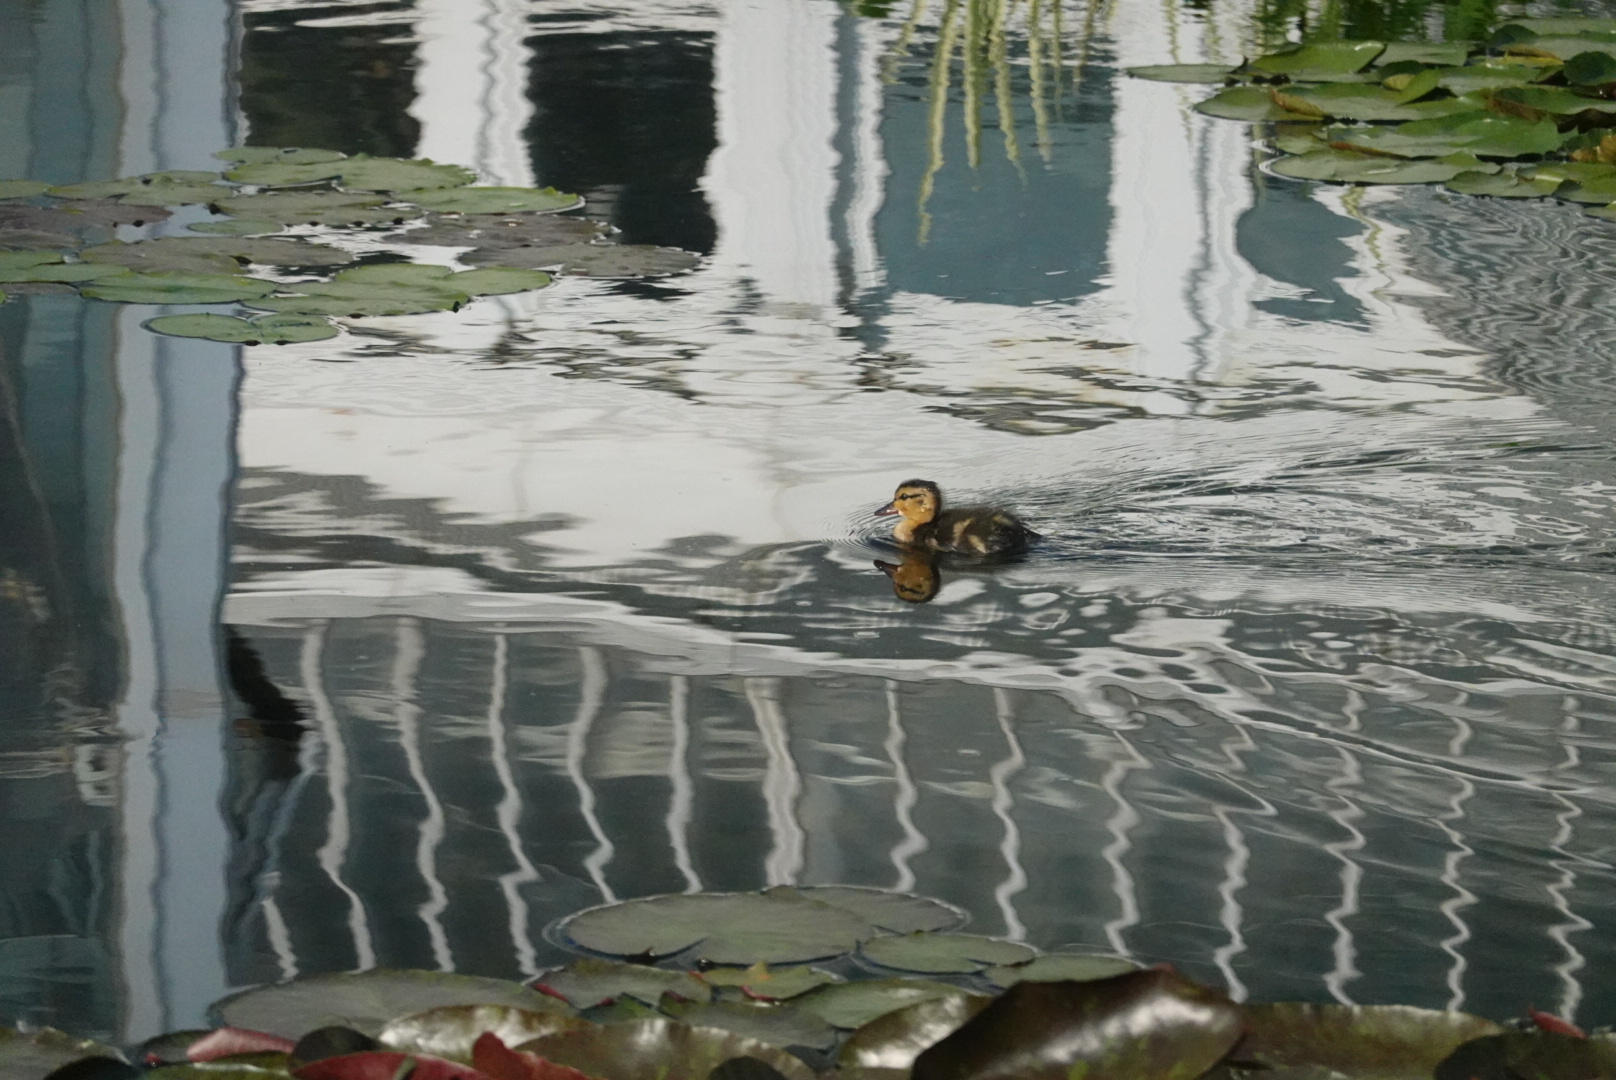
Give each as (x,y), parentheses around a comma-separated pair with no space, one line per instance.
(391,649)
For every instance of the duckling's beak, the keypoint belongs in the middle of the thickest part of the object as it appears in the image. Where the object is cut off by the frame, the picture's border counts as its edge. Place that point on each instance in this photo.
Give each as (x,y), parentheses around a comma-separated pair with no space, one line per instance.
(887,510)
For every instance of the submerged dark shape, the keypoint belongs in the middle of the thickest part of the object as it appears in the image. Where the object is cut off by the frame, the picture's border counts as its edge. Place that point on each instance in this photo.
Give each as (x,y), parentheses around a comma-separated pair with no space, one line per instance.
(974,530)
(915,580)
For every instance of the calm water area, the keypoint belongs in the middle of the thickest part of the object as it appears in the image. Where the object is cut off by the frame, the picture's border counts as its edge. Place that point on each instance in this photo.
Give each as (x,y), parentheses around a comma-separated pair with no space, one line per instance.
(389,650)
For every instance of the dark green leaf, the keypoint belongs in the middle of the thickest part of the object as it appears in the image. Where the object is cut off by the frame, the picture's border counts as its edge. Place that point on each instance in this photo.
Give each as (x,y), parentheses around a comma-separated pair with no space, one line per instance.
(854,1004)
(893,1040)
(333,1041)
(1251,103)
(367,1000)
(1364,1042)
(1467,80)
(591,981)
(30,1055)
(1183,73)
(1555,100)
(99,1067)
(1146,1025)
(659,1050)
(1593,68)
(1321,59)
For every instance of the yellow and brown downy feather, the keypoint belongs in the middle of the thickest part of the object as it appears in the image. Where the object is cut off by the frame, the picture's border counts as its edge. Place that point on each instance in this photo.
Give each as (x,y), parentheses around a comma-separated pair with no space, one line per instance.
(976,530)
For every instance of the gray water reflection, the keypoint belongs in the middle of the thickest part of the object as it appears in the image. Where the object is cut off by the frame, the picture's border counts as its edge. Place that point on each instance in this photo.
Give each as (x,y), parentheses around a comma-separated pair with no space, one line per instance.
(572,595)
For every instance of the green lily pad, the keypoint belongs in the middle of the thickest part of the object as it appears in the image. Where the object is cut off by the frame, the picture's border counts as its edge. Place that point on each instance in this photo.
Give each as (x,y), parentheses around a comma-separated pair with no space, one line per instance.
(397,273)
(1476,133)
(1600,192)
(942,954)
(1347,167)
(621,1010)
(1183,73)
(1152,1023)
(888,911)
(1441,53)
(1321,59)
(236,227)
(30,1055)
(22,189)
(36,240)
(1503,185)
(659,1050)
(590,260)
(493,200)
(1414,86)
(1485,76)
(721,928)
(177,195)
(591,981)
(777,1025)
(1300,144)
(762,982)
(1555,100)
(22,260)
(300,207)
(67,273)
(1576,171)
(1060,967)
(1593,68)
(281,155)
(272,330)
(78,214)
(357,299)
(1356,1040)
(1566,25)
(1608,213)
(895,1039)
(1252,103)
(1370,103)
(854,1004)
(367,1001)
(504,230)
(1564,48)
(183,252)
(178,289)
(450,1030)
(499,281)
(358,173)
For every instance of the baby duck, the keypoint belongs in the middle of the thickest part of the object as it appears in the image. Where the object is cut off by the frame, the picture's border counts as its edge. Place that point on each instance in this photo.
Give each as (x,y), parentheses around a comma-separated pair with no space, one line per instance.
(977,530)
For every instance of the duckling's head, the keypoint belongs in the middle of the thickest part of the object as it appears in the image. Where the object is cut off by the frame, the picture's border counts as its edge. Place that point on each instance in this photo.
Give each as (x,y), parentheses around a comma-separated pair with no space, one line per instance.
(916,501)
(915,580)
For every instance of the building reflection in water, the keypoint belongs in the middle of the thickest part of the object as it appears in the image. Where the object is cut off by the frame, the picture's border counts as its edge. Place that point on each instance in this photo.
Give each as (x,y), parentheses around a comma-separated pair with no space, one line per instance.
(448,706)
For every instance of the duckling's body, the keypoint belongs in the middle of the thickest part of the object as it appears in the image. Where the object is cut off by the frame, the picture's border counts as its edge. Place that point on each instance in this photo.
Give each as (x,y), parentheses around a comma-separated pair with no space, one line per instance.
(976,530)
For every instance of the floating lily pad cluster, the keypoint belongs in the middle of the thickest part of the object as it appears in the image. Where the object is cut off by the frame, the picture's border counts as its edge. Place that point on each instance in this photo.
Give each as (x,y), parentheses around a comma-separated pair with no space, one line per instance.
(1004,1012)
(1531,113)
(513,239)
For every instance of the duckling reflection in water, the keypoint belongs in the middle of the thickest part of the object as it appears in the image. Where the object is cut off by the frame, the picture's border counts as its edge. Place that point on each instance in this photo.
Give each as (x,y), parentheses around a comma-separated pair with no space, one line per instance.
(915,580)
(975,530)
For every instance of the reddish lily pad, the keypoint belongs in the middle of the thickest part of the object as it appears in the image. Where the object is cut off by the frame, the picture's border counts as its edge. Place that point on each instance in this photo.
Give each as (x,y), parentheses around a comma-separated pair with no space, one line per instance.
(385,1065)
(659,1050)
(227,1041)
(493,1058)
(593,981)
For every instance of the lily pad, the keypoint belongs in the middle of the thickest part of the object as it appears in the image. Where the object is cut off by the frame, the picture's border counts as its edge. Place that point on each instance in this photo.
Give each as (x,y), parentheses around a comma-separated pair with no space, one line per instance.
(854,1004)
(498,281)
(777,1025)
(590,260)
(1375,1042)
(156,256)
(358,299)
(1442,53)
(1252,103)
(1321,59)
(1601,192)
(236,227)
(77,214)
(1061,967)
(271,330)
(1538,1055)
(892,912)
(1593,68)
(895,1039)
(1347,167)
(1503,185)
(1565,47)
(504,230)
(97,1067)
(1476,133)
(1369,102)
(69,273)
(761,982)
(22,260)
(36,239)
(1469,79)
(1183,73)
(30,1055)
(720,928)
(282,155)
(1554,100)
(358,173)
(592,981)
(452,1030)
(367,1000)
(1566,24)
(184,252)
(177,195)
(1607,213)
(22,189)
(1144,1024)
(385,1065)
(493,200)
(659,1050)
(395,273)
(942,954)
(178,289)
(299,207)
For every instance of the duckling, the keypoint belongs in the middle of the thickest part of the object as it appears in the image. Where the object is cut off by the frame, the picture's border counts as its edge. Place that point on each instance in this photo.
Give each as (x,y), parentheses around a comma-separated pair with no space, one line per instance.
(915,580)
(977,530)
